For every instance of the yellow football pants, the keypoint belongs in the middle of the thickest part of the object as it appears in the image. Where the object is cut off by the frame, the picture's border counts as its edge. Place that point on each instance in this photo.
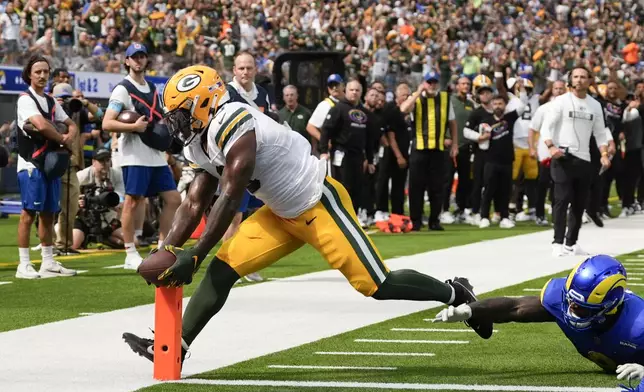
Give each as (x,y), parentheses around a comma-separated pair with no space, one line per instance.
(330,226)
(523,162)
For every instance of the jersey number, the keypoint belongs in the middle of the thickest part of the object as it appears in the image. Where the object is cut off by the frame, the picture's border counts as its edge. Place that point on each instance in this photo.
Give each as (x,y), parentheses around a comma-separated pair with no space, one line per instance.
(527,114)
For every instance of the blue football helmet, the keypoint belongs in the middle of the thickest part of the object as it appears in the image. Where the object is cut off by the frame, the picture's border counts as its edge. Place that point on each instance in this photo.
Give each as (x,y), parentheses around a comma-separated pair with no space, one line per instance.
(594,289)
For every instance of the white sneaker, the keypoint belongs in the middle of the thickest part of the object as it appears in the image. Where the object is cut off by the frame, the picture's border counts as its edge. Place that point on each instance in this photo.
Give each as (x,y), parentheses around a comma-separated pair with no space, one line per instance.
(36,248)
(557,250)
(54,268)
(574,250)
(26,271)
(542,222)
(496,218)
(132,261)
(626,212)
(447,218)
(254,277)
(525,217)
(484,223)
(380,216)
(506,224)
(475,220)
(585,218)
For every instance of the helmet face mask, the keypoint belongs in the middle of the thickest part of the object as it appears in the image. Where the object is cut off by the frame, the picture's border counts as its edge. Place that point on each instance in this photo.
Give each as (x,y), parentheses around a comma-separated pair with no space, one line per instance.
(594,290)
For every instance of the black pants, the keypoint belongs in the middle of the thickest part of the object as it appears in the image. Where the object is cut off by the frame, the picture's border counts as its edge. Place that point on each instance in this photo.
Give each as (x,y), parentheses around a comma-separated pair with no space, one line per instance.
(544,184)
(368,192)
(640,187)
(629,176)
(349,174)
(572,178)
(498,187)
(596,190)
(426,173)
(389,169)
(613,173)
(464,170)
(478,169)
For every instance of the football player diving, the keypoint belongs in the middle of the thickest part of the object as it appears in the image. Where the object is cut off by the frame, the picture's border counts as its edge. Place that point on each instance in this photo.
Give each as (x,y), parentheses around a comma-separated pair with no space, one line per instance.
(593,308)
(239,148)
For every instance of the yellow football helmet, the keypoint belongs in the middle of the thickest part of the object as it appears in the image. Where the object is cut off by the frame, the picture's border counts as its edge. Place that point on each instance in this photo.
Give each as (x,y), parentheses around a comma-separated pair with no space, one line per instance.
(528,84)
(191,98)
(481,81)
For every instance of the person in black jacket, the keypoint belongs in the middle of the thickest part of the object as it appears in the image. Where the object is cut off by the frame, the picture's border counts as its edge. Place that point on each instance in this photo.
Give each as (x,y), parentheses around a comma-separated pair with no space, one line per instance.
(348,128)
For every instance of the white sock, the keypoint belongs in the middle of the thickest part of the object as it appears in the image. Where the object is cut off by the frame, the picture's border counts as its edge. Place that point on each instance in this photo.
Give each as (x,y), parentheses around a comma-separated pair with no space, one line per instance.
(138,233)
(47,253)
(130,248)
(24,256)
(160,244)
(453,297)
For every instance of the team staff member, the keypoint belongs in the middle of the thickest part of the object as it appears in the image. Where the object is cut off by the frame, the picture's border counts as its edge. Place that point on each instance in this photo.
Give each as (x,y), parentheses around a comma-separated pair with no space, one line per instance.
(145,169)
(463,107)
(335,88)
(539,150)
(294,114)
(396,156)
(572,119)
(433,129)
(348,128)
(40,183)
(374,102)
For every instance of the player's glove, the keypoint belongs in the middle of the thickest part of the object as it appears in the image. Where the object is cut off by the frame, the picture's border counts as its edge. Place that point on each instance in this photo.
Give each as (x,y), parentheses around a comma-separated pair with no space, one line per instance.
(453,315)
(182,271)
(630,371)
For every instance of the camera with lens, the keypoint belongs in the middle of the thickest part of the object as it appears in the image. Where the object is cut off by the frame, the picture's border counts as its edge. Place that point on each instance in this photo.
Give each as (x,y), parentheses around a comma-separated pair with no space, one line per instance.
(72,105)
(100,198)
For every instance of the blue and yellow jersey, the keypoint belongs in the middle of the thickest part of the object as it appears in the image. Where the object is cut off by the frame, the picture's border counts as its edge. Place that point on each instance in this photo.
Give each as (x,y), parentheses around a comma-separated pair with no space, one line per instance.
(622,343)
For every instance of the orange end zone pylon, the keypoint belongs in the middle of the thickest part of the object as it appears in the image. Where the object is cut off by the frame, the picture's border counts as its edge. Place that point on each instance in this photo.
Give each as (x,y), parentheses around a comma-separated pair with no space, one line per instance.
(168,306)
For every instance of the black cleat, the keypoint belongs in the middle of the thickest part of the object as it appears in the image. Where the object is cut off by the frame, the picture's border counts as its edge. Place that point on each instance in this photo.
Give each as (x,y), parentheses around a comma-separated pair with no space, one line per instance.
(145,347)
(464,294)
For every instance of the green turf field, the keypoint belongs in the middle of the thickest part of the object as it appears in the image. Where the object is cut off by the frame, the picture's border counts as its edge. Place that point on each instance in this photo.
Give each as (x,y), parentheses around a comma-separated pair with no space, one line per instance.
(518,354)
(26,303)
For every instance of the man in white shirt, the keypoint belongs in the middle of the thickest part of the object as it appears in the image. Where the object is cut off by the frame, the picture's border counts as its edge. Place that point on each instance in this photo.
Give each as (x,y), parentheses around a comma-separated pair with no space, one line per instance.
(141,150)
(572,119)
(10,27)
(40,167)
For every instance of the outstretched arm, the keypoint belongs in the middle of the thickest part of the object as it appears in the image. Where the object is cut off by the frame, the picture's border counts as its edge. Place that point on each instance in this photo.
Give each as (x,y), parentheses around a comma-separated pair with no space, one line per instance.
(202,189)
(498,310)
(240,163)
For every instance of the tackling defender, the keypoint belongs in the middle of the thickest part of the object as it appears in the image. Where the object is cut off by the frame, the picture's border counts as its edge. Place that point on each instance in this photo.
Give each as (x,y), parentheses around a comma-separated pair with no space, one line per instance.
(242,148)
(593,308)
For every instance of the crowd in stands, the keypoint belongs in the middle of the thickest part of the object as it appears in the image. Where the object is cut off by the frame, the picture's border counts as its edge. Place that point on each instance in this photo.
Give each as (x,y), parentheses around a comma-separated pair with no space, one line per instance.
(384,39)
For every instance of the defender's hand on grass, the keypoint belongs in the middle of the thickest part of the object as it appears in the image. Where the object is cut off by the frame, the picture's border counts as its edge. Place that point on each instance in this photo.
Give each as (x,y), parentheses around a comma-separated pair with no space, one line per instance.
(182,271)
(454,315)
(630,371)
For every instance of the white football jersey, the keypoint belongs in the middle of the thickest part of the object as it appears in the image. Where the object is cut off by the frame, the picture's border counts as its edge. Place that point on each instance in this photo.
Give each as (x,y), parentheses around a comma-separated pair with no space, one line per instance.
(536,124)
(522,126)
(287,178)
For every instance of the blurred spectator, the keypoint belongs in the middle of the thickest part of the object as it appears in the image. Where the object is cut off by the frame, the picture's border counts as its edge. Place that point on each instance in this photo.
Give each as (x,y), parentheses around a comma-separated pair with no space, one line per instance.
(294,114)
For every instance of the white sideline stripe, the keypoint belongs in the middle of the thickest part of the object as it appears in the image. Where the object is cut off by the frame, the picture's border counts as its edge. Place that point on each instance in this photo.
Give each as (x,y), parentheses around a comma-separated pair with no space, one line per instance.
(81,271)
(413,341)
(639,261)
(636,273)
(635,284)
(532,289)
(115,266)
(434,329)
(86,314)
(394,386)
(370,353)
(354,233)
(1,283)
(332,367)
(634,278)
(514,296)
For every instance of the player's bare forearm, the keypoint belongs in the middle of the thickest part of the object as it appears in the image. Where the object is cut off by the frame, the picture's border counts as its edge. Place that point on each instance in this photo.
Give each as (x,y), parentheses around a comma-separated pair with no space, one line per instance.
(240,163)
(507,310)
(189,213)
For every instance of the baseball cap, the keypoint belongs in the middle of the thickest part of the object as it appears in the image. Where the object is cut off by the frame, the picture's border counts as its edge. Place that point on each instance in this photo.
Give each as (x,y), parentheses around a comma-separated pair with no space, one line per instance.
(102,153)
(334,78)
(62,90)
(432,76)
(135,48)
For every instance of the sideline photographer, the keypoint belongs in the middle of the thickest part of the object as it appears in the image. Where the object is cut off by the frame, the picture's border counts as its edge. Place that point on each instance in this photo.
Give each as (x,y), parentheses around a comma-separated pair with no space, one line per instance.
(79,110)
(100,203)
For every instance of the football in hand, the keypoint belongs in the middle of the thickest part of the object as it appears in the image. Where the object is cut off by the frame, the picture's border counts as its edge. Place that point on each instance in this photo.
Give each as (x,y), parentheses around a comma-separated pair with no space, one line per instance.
(128,116)
(155,264)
